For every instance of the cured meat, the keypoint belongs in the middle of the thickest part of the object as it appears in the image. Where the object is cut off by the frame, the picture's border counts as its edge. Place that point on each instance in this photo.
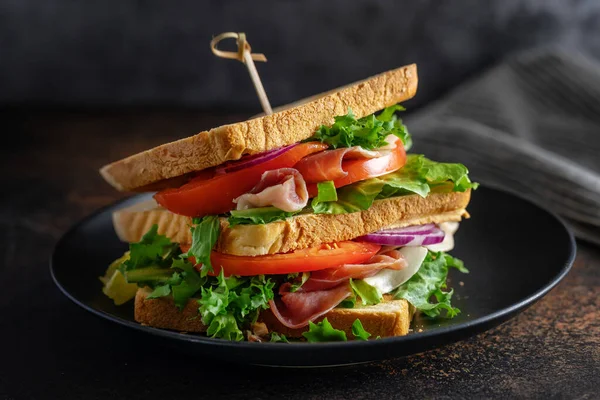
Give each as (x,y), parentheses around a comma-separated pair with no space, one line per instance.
(328,165)
(283,188)
(331,277)
(296,309)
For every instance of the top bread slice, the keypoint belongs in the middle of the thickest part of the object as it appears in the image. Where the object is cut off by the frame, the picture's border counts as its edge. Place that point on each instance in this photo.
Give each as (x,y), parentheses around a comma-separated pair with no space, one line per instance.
(288,126)
(300,231)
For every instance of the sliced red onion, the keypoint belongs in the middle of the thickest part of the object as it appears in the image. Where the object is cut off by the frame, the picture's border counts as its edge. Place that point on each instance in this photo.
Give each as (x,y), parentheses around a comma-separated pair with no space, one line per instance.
(420,235)
(251,160)
(411,230)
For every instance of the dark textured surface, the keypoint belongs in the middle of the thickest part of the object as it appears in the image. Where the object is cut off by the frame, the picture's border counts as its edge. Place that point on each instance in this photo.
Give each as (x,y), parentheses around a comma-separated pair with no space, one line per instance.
(157,52)
(53,349)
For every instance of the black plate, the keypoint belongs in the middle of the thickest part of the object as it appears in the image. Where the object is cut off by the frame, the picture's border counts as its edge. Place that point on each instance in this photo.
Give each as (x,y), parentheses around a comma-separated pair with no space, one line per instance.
(515,250)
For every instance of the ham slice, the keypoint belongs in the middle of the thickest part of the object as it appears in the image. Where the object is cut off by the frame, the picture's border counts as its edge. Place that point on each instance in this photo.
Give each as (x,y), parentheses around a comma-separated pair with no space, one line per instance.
(331,277)
(295,310)
(283,188)
(327,288)
(329,165)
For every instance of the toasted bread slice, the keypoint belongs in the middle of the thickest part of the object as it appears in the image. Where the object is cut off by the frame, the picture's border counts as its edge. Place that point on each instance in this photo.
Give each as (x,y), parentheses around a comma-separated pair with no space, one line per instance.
(162,313)
(285,127)
(300,231)
(389,318)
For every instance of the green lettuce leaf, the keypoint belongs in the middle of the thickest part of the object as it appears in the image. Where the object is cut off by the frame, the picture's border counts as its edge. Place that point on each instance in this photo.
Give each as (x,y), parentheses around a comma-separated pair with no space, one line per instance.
(348,302)
(189,283)
(256,216)
(180,280)
(278,338)
(224,326)
(324,332)
(297,285)
(149,276)
(214,305)
(389,115)
(153,250)
(160,291)
(368,132)
(436,173)
(325,193)
(358,331)
(418,176)
(229,304)
(453,262)
(368,294)
(157,262)
(428,283)
(204,237)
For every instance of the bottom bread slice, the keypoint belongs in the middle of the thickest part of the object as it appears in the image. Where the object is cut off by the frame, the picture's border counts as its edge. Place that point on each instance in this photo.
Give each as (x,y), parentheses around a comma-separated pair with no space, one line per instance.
(388,318)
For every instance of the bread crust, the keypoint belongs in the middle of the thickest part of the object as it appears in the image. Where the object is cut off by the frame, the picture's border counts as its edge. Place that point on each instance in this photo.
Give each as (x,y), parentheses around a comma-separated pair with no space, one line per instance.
(300,231)
(389,318)
(288,126)
(162,313)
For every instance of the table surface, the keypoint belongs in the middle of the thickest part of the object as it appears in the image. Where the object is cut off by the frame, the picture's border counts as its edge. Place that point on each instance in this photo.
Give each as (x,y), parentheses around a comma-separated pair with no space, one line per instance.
(54,349)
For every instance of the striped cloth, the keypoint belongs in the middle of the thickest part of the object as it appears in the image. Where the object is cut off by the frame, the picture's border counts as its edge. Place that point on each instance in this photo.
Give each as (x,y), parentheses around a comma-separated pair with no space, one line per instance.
(530,126)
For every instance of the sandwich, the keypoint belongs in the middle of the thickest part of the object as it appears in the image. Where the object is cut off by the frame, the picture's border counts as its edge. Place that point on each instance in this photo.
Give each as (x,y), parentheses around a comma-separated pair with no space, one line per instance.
(312,223)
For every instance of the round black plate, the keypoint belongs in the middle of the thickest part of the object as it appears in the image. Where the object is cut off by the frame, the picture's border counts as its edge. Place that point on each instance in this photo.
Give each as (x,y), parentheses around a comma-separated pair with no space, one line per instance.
(515,250)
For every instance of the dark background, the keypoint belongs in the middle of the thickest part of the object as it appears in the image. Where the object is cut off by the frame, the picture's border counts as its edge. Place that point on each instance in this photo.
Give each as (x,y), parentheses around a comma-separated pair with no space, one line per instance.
(128,52)
(86,82)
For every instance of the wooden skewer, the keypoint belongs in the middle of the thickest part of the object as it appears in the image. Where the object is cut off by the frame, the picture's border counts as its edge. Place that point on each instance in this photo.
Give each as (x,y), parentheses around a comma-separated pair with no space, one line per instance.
(245,55)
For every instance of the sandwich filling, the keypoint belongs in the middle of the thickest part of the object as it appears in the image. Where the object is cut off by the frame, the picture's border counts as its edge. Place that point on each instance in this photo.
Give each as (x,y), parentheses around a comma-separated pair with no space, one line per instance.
(342,169)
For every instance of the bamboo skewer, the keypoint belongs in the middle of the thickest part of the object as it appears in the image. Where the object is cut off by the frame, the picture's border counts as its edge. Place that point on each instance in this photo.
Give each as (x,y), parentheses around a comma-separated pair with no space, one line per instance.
(245,55)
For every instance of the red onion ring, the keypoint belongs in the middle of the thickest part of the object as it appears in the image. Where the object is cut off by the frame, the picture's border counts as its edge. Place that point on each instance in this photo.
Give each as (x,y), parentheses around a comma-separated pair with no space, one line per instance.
(251,160)
(410,230)
(422,235)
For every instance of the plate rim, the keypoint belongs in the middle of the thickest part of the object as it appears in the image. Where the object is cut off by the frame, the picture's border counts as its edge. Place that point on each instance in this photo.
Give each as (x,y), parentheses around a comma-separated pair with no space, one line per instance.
(476,325)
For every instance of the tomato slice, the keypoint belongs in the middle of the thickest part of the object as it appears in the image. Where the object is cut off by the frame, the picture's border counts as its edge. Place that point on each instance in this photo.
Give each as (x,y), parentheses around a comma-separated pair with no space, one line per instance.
(311,259)
(209,195)
(359,170)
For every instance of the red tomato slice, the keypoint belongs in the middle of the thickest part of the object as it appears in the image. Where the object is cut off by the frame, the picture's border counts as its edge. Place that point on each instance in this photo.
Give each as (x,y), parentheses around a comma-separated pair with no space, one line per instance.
(311,259)
(209,195)
(359,170)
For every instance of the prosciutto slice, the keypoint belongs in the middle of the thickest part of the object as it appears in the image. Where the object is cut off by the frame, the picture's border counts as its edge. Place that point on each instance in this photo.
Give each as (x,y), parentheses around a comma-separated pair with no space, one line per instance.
(331,277)
(295,310)
(328,165)
(283,188)
(327,288)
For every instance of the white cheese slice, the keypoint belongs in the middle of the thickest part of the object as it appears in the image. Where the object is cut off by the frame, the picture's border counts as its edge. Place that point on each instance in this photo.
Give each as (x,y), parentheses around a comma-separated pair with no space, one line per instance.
(387,280)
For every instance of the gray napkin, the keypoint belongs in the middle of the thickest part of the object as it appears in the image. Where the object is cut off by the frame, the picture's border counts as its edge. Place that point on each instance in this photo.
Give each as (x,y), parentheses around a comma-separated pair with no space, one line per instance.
(530,126)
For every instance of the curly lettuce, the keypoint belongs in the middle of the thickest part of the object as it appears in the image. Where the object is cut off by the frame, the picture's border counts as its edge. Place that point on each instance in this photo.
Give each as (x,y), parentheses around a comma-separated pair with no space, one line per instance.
(258,216)
(428,284)
(228,304)
(324,332)
(368,132)
(418,176)
(359,332)
(205,233)
(368,294)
